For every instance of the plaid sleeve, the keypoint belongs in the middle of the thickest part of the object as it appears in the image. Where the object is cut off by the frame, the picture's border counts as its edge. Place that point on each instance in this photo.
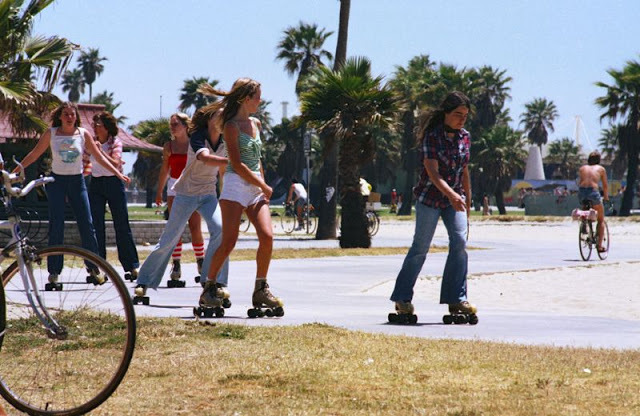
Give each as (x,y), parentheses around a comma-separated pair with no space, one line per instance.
(430,146)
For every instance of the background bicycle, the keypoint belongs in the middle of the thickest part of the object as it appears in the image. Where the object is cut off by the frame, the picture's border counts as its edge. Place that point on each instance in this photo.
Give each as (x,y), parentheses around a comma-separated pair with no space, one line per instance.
(373,222)
(588,233)
(290,223)
(64,350)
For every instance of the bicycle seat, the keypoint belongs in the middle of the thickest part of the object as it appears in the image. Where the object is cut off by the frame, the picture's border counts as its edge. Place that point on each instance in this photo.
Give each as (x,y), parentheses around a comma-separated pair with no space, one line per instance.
(586,204)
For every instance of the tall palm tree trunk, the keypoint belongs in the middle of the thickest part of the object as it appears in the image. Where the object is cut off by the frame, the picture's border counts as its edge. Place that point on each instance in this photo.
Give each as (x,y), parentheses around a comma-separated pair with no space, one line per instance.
(353,230)
(632,177)
(409,159)
(328,175)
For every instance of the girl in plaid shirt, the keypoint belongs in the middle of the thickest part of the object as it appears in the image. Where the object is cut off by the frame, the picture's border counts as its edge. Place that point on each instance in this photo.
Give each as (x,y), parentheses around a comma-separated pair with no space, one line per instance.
(443,191)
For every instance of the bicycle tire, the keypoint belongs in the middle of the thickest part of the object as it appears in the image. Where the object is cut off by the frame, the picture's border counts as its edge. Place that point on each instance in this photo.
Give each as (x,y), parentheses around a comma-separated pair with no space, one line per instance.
(43,375)
(288,221)
(605,243)
(373,223)
(244,223)
(313,224)
(3,315)
(584,240)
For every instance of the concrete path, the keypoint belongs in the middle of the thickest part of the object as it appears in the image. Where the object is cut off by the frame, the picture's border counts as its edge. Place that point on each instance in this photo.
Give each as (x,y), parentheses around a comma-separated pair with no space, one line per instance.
(353,292)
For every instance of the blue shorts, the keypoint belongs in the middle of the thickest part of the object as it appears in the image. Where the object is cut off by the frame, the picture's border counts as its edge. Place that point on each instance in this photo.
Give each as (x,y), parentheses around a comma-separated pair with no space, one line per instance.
(590,194)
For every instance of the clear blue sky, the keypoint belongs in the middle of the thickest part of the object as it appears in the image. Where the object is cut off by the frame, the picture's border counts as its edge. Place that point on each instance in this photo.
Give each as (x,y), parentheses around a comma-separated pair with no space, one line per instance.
(554,49)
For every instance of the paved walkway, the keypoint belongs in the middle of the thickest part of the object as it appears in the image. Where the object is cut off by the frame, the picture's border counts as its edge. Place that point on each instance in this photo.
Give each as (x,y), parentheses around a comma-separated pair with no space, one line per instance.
(352,292)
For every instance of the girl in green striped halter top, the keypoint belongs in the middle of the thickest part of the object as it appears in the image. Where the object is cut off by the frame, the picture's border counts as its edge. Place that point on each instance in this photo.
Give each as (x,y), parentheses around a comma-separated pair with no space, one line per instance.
(244,190)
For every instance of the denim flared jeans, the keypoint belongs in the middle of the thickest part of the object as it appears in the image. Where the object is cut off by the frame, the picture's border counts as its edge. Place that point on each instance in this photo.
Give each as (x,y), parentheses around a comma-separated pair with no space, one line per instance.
(155,265)
(454,278)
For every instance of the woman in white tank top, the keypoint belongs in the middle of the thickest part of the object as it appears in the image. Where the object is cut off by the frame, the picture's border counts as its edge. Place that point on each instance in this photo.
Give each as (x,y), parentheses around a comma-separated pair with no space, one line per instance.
(68,142)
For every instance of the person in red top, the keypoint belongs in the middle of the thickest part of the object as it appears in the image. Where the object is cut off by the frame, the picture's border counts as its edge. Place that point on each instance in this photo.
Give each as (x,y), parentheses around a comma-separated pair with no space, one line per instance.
(174,159)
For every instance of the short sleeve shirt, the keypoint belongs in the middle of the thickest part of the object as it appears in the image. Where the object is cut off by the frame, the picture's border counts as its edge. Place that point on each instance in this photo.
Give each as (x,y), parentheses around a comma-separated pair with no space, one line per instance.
(452,154)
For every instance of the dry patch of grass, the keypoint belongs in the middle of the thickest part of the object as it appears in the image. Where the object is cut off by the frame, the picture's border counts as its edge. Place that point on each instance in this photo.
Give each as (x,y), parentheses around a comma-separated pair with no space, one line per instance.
(187,367)
(293,253)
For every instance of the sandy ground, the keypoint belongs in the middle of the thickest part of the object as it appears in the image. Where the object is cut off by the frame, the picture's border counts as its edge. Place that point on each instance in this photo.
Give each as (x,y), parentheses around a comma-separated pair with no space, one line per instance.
(609,288)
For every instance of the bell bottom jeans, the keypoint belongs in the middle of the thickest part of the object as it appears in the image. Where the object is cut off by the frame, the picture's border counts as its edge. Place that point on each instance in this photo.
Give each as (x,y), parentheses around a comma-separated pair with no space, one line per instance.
(454,278)
(155,265)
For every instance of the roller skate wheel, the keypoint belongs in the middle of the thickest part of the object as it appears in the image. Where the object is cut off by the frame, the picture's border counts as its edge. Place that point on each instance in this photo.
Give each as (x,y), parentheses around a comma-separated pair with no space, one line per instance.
(392,318)
(447,319)
(196,311)
(251,313)
(268,313)
(473,319)
(219,312)
(197,279)
(49,287)
(208,313)
(460,319)
(279,312)
(226,303)
(413,319)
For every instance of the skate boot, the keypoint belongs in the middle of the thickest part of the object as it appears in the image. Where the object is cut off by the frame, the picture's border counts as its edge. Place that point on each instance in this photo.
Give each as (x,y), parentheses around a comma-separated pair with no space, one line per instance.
(131,275)
(140,295)
(176,273)
(198,278)
(53,283)
(461,313)
(263,298)
(404,314)
(95,277)
(211,301)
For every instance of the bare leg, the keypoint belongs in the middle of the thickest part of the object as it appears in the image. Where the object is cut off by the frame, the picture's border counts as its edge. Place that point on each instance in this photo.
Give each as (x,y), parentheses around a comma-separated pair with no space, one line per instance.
(260,217)
(231,213)
(600,210)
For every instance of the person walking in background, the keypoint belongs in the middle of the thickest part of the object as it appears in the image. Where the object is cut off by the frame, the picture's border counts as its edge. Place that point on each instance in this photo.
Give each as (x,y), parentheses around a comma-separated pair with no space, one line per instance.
(298,196)
(106,188)
(174,159)
(68,141)
(589,178)
(244,189)
(195,191)
(443,191)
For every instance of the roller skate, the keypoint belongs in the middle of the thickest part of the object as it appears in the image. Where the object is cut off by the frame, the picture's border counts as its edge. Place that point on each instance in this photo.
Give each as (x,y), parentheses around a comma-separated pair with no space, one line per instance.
(95,277)
(174,280)
(213,299)
(198,278)
(404,314)
(263,298)
(461,313)
(140,295)
(131,275)
(53,283)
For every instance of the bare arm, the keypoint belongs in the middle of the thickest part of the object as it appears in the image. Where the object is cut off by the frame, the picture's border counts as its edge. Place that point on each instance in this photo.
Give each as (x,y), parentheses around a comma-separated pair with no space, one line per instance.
(93,150)
(41,147)
(164,172)
(466,184)
(605,185)
(431,165)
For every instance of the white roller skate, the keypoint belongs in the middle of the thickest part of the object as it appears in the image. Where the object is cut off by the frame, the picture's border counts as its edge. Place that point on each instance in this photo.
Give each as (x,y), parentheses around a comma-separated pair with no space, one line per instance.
(175,276)
(461,313)
(140,295)
(404,314)
(212,300)
(264,303)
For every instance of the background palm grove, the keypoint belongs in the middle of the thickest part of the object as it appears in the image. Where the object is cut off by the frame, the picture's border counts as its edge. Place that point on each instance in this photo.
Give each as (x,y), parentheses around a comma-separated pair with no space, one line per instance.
(361,125)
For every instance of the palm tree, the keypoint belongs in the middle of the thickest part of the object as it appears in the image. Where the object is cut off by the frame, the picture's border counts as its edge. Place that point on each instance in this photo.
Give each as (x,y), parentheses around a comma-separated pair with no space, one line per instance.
(498,154)
(329,171)
(301,50)
(538,120)
(107,99)
(73,81)
(490,91)
(622,100)
(191,97)
(346,107)
(91,67)
(146,168)
(610,145)
(566,155)
(22,58)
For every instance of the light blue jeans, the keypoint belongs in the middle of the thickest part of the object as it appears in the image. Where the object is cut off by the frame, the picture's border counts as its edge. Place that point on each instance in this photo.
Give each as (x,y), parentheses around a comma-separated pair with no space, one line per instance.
(454,278)
(155,265)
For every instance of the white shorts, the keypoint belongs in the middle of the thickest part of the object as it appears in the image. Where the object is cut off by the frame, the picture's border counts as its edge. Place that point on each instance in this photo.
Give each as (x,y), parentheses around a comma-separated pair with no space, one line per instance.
(170,182)
(236,189)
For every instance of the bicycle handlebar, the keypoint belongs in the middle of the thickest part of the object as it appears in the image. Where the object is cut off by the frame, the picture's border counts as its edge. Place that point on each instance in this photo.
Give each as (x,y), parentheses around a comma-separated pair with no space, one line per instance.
(10,178)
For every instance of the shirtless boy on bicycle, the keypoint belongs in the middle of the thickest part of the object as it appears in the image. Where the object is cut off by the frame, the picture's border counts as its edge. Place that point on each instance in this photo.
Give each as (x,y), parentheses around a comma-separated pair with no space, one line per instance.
(589,178)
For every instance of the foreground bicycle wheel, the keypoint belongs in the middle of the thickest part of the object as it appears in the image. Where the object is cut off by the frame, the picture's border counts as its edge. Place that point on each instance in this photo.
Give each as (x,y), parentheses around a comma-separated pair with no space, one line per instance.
(584,240)
(75,372)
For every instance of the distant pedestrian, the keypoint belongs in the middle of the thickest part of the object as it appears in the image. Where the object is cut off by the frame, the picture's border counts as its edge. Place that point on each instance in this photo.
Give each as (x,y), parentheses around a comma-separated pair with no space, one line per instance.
(106,188)
(174,159)
(443,191)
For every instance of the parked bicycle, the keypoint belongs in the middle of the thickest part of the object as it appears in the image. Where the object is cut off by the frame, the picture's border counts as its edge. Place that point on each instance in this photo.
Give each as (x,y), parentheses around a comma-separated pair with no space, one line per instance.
(290,221)
(588,232)
(373,222)
(63,351)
